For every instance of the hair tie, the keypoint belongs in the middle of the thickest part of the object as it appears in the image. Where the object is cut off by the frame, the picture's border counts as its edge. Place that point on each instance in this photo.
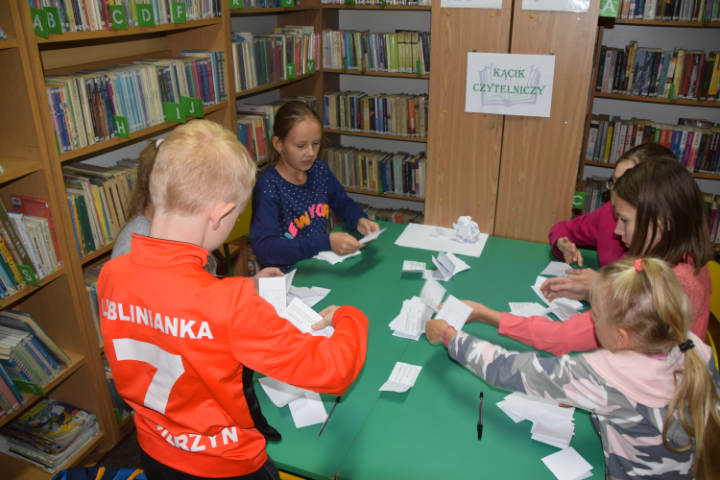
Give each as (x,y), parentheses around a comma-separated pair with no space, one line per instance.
(158,142)
(686,345)
(638,265)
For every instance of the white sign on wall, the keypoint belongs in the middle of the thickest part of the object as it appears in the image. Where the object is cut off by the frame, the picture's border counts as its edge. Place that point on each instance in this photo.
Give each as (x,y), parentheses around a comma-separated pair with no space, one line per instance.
(495,4)
(509,84)
(557,5)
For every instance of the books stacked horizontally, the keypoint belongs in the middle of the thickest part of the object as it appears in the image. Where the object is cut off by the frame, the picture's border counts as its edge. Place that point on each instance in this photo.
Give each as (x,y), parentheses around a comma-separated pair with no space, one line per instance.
(262,59)
(48,433)
(653,72)
(99,201)
(28,246)
(677,10)
(87,15)
(92,106)
(382,172)
(255,125)
(29,358)
(694,142)
(401,51)
(394,114)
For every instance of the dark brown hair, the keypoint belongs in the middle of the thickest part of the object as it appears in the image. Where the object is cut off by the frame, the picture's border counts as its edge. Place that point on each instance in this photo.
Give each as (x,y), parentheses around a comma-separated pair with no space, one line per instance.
(289,115)
(140,198)
(670,209)
(647,151)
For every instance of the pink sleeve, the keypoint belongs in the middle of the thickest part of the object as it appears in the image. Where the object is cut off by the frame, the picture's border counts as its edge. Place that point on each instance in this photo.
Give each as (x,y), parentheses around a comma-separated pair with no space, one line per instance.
(575,334)
(582,230)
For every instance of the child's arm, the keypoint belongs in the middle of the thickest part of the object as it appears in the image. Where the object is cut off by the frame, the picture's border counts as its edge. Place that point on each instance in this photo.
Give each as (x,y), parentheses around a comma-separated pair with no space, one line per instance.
(575,334)
(581,230)
(268,239)
(565,379)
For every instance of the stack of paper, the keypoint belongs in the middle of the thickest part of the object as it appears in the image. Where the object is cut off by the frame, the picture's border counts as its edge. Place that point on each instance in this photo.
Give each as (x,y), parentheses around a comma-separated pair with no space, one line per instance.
(306,407)
(551,424)
(412,266)
(333,258)
(279,292)
(410,322)
(563,308)
(448,265)
(402,377)
(567,464)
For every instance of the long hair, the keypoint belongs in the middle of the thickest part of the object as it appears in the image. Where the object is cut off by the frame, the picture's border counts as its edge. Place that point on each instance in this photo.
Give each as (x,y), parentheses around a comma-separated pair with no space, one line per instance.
(648,301)
(670,213)
(289,115)
(140,198)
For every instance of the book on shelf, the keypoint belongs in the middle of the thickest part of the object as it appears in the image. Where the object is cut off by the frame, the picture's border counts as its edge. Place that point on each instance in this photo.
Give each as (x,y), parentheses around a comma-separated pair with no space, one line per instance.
(288,52)
(694,142)
(402,215)
(91,275)
(48,433)
(670,10)
(99,201)
(596,193)
(406,51)
(24,321)
(391,114)
(379,172)
(383,3)
(93,15)
(120,408)
(92,106)
(653,72)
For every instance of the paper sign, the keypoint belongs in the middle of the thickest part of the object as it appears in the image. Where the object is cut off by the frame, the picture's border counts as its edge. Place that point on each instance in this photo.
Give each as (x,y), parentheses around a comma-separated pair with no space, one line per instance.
(118,19)
(557,5)
(52,17)
(192,107)
(179,14)
(121,126)
(145,15)
(509,84)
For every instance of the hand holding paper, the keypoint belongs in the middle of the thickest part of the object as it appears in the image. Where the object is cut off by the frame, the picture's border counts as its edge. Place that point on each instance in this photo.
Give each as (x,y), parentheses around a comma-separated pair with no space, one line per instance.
(371,236)
(576,285)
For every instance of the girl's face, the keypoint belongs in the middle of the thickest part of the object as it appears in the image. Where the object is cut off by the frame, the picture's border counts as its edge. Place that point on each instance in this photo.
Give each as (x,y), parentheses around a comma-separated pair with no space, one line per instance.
(625,214)
(300,147)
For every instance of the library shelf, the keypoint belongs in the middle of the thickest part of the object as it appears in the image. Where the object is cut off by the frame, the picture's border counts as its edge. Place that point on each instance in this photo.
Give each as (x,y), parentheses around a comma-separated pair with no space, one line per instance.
(268,11)
(360,133)
(8,43)
(95,254)
(370,73)
(271,86)
(674,101)
(29,289)
(15,168)
(422,8)
(666,23)
(706,176)
(387,195)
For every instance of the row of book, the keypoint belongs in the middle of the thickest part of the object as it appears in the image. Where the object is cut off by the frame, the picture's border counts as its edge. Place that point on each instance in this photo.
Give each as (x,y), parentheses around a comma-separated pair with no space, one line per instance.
(670,10)
(120,408)
(88,15)
(91,275)
(410,3)
(596,193)
(98,199)
(263,3)
(255,125)
(712,205)
(402,215)
(401,51)
(262,59)
(93,106)
(392,114)
(694,142)
(48,433)
(29,359)
(653,72)
(381,172)
(28,245)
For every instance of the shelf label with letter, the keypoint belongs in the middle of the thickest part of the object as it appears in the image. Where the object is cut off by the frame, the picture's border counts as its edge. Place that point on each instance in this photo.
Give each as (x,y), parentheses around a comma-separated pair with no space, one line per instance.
(173,112)
(310,66)
(121,126)
(178,12)
(349,2)
(39,20)
(578,200)
(236,4)
(192,107)
(288,3)
(290,71)
(52,19)
(145,15)
(118,20)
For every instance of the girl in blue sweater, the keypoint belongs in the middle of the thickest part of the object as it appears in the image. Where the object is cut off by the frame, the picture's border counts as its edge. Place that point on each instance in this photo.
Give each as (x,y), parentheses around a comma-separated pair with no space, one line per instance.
(293,198)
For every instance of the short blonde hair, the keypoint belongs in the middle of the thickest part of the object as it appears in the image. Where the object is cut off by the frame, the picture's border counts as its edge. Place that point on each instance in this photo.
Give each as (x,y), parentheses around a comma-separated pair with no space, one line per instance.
(199,163)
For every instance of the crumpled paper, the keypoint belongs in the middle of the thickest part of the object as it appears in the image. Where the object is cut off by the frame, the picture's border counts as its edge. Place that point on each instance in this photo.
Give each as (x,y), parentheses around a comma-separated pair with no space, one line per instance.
(466,230)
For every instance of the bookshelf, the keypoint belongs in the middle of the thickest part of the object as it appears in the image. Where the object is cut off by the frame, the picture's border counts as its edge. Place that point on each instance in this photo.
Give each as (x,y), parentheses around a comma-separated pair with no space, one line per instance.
(55,303)
(666,36)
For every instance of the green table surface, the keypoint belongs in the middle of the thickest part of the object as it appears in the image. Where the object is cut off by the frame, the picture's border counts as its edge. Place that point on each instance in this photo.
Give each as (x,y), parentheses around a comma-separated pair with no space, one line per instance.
(430,430)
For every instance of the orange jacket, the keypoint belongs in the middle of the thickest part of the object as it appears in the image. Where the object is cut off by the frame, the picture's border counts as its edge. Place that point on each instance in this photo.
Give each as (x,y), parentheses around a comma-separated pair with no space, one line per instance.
(182,346)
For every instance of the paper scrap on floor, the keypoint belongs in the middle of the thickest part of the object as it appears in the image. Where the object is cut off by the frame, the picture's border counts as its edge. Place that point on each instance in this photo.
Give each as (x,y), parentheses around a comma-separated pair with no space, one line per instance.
(371,236)
(563,307)
(402,377)
(432,294)
(527,309)
(454,312)
(306,407)
(333,258)
(430,237)
(410,322)
(552,424)
(413,266)
(568,464)
(556,269)
(303,317)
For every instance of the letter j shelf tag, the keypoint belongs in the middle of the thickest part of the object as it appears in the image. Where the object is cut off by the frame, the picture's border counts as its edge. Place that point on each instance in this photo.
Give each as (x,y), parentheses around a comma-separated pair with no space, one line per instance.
(192,107)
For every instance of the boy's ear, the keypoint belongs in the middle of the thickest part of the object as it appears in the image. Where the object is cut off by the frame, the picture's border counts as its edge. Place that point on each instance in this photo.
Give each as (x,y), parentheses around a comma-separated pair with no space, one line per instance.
(276,143)
(219,211)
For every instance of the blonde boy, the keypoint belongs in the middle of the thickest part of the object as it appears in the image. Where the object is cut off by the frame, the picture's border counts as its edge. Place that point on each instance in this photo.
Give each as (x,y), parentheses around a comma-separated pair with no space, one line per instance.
(183,345)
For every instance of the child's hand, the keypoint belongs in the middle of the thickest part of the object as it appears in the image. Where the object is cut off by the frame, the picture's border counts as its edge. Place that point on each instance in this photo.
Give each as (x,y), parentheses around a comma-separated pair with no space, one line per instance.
(266,272)
(576,285)
(569,251)
(327,314)
(434,330)
(344,243)
(481,313)
(366,227)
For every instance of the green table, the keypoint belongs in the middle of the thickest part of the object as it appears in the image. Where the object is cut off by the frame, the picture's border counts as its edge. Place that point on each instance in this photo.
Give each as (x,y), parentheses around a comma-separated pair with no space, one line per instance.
(430,430)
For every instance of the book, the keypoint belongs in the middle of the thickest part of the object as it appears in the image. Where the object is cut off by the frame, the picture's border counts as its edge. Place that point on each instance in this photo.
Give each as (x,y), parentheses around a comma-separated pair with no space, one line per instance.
(24,321)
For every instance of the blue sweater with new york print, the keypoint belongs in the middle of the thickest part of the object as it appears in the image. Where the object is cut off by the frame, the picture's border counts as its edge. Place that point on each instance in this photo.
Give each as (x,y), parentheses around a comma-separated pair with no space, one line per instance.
(289,222)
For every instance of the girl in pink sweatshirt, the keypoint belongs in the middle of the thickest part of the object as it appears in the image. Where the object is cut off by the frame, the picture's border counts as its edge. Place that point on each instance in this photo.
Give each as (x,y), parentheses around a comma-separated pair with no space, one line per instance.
(660,214)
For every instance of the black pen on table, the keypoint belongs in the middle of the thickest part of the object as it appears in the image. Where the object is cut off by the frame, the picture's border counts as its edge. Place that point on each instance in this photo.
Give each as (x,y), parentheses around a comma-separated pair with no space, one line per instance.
(480,418)
(332,409)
